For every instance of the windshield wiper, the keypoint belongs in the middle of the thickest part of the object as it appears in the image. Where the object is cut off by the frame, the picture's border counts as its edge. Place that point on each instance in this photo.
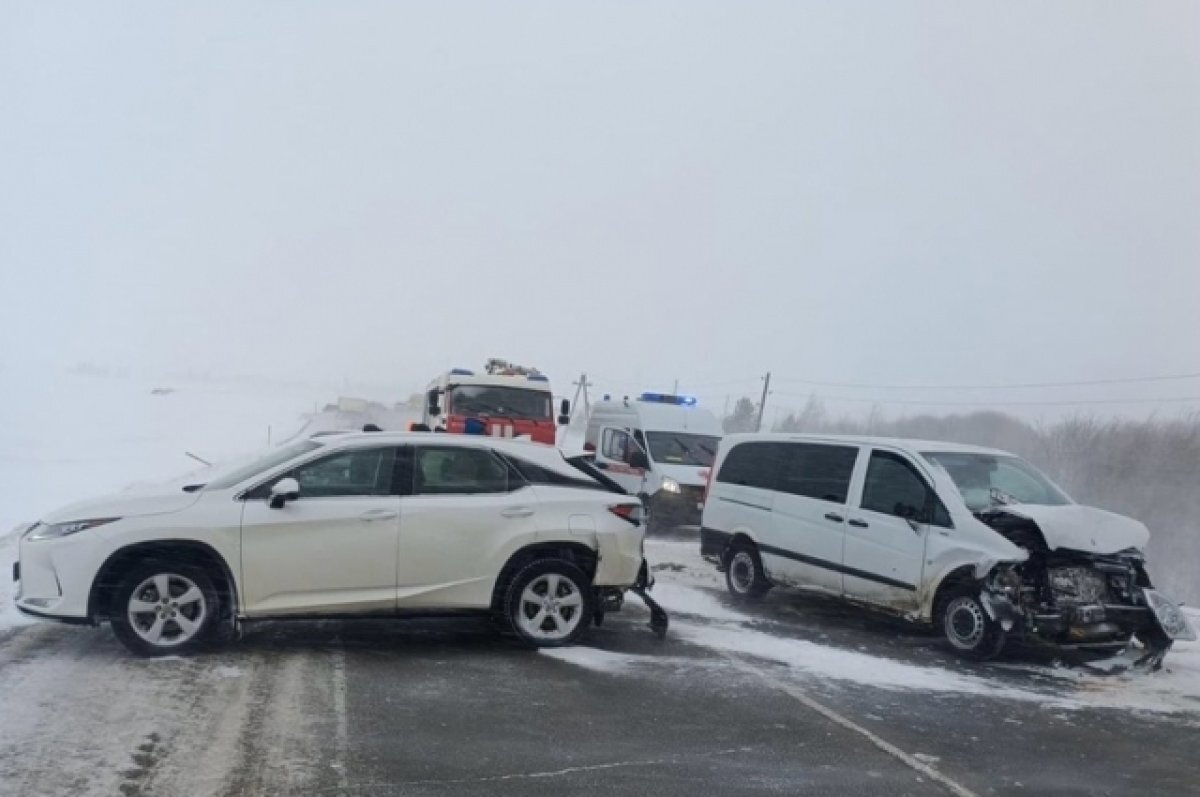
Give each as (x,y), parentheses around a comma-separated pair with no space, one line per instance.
(192,488)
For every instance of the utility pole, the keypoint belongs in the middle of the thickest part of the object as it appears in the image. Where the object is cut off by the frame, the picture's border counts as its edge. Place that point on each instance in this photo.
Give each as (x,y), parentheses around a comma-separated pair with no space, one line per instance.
(762,405)
(675,390)
(581,388)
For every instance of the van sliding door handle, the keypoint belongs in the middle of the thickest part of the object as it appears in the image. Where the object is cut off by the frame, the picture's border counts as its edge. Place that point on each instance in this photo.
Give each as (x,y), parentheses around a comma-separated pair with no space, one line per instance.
(379,514)
(834,516)
(860,524)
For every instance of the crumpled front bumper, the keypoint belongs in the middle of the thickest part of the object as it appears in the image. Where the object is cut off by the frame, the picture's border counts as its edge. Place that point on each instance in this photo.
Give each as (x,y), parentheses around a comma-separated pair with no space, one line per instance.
(1159,612)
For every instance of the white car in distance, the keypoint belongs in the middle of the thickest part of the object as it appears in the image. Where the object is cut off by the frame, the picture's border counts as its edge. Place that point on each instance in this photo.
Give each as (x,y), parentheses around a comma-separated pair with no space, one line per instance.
(359,524)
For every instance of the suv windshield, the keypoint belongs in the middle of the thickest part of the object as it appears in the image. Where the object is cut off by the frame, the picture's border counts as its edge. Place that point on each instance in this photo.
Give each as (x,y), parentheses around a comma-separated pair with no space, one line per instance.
(505,402)
(276,456)
(986,480)
(676,448)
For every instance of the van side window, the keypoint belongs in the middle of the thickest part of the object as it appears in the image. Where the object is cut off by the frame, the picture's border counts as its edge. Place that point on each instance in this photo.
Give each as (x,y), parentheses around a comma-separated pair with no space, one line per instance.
(615,445)
(752,465)
(815,470)
(893,487)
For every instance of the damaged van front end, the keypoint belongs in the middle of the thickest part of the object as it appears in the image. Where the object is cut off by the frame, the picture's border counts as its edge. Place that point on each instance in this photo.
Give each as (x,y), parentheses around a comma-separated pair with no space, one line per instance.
(1084,585)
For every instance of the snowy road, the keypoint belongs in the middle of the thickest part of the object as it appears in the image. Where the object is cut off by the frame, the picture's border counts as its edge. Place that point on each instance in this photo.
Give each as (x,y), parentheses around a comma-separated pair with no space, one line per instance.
(792,696)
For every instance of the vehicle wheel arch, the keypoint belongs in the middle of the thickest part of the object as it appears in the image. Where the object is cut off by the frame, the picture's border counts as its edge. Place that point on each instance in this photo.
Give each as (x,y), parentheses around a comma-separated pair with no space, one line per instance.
(953,579)
(577,553)
(741,537)
(194,552)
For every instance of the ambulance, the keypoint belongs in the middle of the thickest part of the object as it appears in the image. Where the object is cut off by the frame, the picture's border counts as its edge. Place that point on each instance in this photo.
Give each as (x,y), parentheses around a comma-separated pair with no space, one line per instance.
(658,446)
(505,400)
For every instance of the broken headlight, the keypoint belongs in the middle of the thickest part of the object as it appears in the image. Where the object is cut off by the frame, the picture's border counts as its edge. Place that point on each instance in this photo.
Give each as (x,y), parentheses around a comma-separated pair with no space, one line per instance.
(1170,617)
(1006,582)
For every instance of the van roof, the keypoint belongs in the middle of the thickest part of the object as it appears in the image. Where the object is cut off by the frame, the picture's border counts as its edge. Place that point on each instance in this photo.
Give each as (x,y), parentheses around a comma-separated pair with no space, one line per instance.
(903,443)
(666,417)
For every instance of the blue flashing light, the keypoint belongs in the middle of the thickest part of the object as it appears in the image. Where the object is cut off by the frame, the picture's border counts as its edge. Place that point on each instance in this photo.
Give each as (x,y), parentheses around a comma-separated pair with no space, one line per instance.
(538,378)
(461,372)
(667,398)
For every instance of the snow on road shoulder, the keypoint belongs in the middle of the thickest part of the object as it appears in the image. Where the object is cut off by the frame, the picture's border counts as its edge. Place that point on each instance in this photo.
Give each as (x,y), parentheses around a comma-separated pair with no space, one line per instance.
(700,618)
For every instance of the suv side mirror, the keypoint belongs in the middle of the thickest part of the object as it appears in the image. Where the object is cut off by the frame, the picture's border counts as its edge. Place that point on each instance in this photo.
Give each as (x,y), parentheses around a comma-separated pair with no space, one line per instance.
(283,491)
(638,459)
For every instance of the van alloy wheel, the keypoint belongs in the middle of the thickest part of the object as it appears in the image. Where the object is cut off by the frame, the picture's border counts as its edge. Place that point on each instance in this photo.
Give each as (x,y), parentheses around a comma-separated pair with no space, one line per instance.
(167,610)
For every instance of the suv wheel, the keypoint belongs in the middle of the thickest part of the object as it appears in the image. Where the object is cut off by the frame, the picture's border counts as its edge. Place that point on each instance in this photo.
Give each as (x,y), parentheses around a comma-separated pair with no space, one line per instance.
(744,574)
(549,603)
(164,608)
(968,629)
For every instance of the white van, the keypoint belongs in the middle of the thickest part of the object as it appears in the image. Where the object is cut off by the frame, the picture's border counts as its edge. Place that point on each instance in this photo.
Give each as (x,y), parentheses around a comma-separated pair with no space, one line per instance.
(975,541)
(658,446)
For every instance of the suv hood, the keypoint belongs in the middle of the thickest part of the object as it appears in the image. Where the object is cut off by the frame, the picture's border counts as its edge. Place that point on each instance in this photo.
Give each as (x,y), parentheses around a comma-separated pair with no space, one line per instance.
(124,505)
(1082,528)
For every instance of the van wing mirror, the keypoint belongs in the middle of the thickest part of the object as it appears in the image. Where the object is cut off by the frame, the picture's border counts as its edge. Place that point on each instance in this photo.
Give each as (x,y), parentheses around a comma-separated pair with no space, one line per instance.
(564,413)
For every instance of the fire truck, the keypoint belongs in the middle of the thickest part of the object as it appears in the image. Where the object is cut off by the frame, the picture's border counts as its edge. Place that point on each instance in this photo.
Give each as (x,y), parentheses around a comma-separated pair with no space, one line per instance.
(505,400)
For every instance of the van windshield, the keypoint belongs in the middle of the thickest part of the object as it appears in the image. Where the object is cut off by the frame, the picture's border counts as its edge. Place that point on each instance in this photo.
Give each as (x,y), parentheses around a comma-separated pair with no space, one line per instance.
(986,480)
(680,448)
(501,402)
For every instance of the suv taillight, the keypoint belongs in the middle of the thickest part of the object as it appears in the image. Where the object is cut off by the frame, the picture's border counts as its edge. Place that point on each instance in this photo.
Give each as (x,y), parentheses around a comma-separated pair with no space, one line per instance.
(630,512)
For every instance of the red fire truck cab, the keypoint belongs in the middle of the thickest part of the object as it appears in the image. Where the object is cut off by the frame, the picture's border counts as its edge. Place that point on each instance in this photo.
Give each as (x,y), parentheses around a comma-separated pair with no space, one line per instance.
(504,401)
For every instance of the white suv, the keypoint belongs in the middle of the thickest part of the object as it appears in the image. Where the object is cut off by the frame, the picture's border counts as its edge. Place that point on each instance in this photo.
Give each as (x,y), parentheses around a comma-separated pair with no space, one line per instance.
(362,524)
(973,540)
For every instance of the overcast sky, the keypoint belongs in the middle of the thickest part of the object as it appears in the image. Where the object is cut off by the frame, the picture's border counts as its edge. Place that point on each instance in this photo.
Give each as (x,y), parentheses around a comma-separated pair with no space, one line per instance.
(886,193)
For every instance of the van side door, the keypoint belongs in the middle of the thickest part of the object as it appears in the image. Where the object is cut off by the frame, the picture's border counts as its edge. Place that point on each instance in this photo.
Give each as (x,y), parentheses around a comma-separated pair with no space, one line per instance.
(894,510)
(810,512)
(612,457)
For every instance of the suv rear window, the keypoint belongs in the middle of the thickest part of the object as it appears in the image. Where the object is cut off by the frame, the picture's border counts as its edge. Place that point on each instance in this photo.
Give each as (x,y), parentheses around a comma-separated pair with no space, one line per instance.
(816,470)
(536,474)
(753,465)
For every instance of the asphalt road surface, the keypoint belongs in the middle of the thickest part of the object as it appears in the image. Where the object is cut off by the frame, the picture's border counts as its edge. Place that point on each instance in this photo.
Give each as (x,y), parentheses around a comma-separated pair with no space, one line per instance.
(796,696)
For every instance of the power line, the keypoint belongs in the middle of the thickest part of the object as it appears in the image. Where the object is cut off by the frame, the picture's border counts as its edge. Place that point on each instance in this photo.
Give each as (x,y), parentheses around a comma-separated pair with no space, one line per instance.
(914,402)
(1011,385)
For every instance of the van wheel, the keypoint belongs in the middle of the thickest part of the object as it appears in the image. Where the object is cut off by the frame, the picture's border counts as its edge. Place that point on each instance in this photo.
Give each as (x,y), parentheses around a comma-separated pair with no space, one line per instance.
(967,627)
(549,603)
(744,574)
(163,608)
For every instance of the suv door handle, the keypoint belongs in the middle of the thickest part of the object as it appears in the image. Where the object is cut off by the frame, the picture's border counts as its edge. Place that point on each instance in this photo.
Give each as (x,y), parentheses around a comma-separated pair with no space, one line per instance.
(517,511)
(378,514)
(834,516)
(858,523)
